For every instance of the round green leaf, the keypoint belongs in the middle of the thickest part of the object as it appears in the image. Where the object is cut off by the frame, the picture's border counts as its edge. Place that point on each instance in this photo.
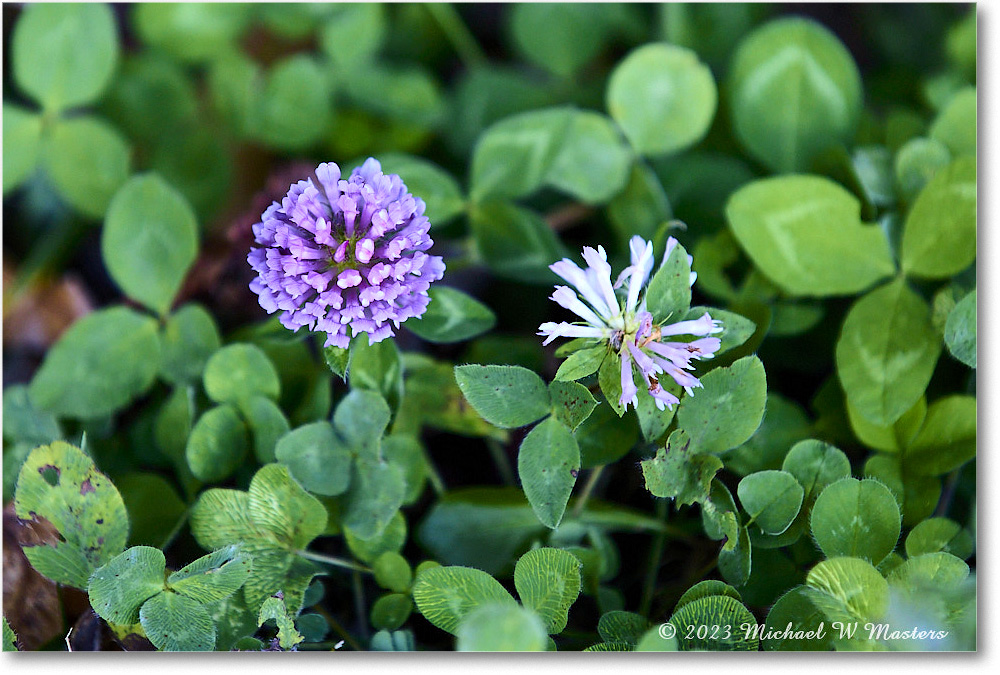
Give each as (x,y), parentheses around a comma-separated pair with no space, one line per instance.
(917,162)
(805,234)
(152,97)
(293,108)
(452,316)
(408,454)
(507,396)
(955,126)
(547,464)
(857,518)
(939,534)
(99,365)
(175,623)
(193,32)
(149,241)
(392,572)
(679,471)
(119,588)
(78,58)
(806,634)
(239,371)
(217,444)
(960,330)
(886,352)
(212,577)
(621,626)
(445,595)
(279,505)
(60,484)
(548,581)
(720,619)
(513,157)
(815,465)
(361,418)
(22,132)
(572,403)
(929,571)
(795,90)
(939,238)
(593,164)
(501,628)
(848,589)
(515,242)
(892,438)
(368,550)
(377,368)
(771,498)
(267,423)
(663,97)
(947,440)
(426,180)
(87,160)
(316,458)
(728,407)
(916,495)
(561,37)
(391,611)
(377,491)
(23,422)
(189,337)
(354,33)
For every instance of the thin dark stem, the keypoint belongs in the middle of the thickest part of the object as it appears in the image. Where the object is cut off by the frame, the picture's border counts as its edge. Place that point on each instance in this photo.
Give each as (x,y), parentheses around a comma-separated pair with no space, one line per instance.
(457,32)
(655,555)
(434,477)
(567,216)
(500,459)
(588,488)
(334,561)
(948,495)
(359,604)
(339,630)
(169,539)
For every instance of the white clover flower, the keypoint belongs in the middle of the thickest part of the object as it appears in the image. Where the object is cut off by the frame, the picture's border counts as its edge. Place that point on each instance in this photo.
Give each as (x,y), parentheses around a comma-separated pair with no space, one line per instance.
(628,328)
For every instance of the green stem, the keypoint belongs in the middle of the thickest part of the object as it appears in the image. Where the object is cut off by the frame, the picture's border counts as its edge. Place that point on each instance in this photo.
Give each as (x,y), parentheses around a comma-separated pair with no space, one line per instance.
(339,630)
(359,603)
(461,38)
(334,561)
(500,459)
(655,555)
(176,530)
(433,475)
(595,474)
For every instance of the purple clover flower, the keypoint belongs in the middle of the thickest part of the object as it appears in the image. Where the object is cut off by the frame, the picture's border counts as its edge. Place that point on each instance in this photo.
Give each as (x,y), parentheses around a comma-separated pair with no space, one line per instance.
(628,328)
(346,253)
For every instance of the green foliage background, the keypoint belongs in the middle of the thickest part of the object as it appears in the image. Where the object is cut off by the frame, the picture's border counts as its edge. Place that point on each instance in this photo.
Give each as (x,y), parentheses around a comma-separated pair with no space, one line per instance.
(462,487)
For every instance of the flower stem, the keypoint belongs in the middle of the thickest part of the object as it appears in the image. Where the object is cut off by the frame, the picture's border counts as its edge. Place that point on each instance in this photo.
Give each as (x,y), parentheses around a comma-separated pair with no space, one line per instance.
(433,476)
(169,539)
(359,604)
(334,561)
(338,629)
(461,38)
(500,459)
(655,555)
(595,474)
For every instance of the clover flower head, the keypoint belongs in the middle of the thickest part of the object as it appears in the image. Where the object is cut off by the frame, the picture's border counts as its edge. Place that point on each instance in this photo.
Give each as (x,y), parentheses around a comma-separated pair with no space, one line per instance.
(627,326)
(339,253)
